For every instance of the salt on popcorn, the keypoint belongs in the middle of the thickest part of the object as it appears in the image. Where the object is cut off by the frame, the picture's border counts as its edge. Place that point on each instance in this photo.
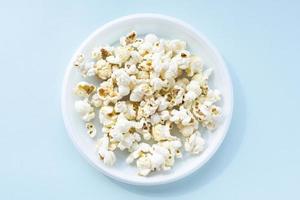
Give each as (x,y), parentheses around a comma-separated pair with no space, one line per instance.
(146,87)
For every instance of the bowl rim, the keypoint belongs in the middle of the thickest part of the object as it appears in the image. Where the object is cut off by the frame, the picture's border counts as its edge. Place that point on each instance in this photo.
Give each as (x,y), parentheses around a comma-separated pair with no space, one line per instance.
(184,25)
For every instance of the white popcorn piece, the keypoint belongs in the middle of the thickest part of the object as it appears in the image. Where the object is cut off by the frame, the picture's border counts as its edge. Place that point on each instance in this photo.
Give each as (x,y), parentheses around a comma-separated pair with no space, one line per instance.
(107,116)
(182,82)
(155,119)
(174,151)
(147,108)
(84,108)
(182,116)
(120,107)
(165,115)
(113,60)
(144,48)
(141,149)
(162,132)
(188,129)
(144,165)
(138,92)
(89,68)
(162,103)
(103,69)
(123,81)
(131,111)
(130,69)
(182,59)
(79,61)
(135,57)
(105,154)
(121,127)
(176,45)
(194,90)
(176,95)
(195,66)
(151,38)
(96,101)
(122,54)
(158,157)
(195,144)
(157,84)
(128,140)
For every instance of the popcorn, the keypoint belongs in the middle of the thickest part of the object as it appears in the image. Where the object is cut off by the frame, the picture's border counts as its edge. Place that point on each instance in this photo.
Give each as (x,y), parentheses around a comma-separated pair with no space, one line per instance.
(145,87)
(85,110)
(84,89)
(139,92)
(188,129)
(144,165)
(130,69)
(206,113)
(128,140)
(120,107)
(151,38)
(142,75)
(144,127)
(174,151)
(157,84)
(182,82)
(91,130)
(176,95)
(195,66)
(131,111)
(122,54)
(163,104)
(103,69)
(113,60)
(101,53)
(194,90)
(96,101)
(89,68)
(135,57)
(123,81)
(195,143)
(142,148)
(121,127)
(107,92)
(147,108)
(162,132)
(155,119)
(107,116)
(176,45)
(165,115)
(158,157)
(78,61)
(131,37)
(180,116)
(105,154)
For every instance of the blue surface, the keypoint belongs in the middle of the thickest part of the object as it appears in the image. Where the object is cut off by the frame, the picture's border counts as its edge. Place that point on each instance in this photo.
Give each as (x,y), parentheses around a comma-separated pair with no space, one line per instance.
(259,159)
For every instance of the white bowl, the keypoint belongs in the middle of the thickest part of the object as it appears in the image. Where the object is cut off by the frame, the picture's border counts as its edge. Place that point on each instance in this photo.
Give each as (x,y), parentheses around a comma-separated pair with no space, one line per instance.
(165,27)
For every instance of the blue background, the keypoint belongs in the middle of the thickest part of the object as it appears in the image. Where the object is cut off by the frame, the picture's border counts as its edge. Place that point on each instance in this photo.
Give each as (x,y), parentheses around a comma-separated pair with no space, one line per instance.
(260,157)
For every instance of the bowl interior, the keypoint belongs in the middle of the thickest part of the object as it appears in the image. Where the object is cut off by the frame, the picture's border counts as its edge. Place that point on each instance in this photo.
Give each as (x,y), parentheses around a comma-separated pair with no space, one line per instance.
(164,27)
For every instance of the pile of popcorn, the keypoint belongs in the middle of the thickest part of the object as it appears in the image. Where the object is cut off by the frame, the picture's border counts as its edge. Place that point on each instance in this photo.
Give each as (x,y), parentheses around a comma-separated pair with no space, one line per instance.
(149,90)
